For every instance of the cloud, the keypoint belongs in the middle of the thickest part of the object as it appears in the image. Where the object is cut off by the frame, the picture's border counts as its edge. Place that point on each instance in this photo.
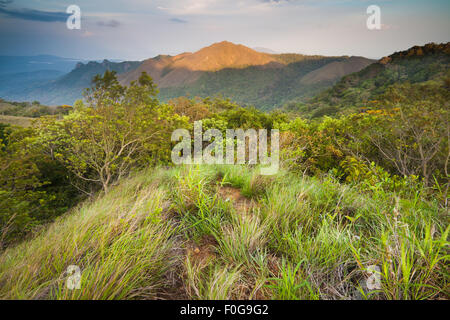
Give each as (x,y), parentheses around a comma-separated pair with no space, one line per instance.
(274,1)
(177,20)
(218,7)
(3,3)
(34,15)
(111,23)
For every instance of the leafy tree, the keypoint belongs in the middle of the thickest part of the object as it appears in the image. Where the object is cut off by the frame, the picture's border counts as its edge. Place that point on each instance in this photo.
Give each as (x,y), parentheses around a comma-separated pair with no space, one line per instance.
(117,129)
(412,133)
(33,187)
(195,109)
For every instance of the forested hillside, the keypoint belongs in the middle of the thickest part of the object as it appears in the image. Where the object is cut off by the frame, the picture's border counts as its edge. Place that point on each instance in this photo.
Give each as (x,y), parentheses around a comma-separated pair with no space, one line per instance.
(358,91)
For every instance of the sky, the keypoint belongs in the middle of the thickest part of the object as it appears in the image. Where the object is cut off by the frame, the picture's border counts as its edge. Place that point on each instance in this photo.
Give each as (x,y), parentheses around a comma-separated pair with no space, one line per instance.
(140,29)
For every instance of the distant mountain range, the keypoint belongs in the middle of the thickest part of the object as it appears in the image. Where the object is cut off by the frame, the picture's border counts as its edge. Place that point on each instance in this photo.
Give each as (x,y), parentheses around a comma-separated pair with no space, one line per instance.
(315,85)
(68,88)
(29,78)
(235,71)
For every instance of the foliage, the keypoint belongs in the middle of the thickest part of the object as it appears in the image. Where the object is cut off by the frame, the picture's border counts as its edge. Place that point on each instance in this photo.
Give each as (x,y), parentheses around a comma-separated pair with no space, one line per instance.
(412,130)
(34,189)
(119,128)
(354,92)
(26,109)
(400,143)
(47,167)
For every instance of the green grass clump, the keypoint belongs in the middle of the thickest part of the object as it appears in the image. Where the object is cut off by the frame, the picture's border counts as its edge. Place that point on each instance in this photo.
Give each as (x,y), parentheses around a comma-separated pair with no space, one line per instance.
(171,234)
(122,243)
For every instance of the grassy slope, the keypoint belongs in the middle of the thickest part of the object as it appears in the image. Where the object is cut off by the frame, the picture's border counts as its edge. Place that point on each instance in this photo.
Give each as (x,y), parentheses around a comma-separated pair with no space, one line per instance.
(18,121)
(228,233)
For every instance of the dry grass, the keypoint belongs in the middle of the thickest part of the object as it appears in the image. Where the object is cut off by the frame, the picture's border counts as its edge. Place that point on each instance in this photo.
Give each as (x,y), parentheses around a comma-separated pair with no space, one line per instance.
(17,121)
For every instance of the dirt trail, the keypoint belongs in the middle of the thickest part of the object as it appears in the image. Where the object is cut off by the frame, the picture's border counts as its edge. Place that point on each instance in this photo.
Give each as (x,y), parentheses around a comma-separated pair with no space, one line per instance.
(205,249)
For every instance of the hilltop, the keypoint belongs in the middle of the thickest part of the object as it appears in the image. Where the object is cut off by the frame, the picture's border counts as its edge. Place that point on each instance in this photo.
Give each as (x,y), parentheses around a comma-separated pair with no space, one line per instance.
(246,76)
(228,233)
(187,67)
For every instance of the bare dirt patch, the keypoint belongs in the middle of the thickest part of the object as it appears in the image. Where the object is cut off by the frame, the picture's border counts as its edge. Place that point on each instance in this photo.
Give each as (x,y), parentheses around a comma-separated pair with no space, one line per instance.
(240,203)
(202,251)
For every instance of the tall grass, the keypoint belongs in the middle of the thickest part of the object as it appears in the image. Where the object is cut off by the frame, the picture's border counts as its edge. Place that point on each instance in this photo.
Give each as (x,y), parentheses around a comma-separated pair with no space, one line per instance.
(170,234)
(121,242)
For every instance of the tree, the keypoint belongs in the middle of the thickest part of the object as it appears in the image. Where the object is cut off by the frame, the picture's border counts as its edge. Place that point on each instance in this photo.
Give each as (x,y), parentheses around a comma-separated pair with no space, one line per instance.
(413,131)
(33,188)
(117,129)
(195,109)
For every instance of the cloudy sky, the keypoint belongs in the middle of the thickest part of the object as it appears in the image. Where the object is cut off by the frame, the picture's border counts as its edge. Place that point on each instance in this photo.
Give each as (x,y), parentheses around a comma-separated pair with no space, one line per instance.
(139,29)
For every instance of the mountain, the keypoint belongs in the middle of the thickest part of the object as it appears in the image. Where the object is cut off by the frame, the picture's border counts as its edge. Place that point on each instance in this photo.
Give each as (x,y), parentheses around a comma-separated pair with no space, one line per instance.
(312,85)
(67,88)
(187,68)
(242,74)
(20,81)
(352,92)
(82,75)
(335,70)
(19,73)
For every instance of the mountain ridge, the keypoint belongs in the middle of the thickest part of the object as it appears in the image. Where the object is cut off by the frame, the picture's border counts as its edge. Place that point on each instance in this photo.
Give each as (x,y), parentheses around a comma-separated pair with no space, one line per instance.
(245,75)
(217,68)
(354,91)
(185,68)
